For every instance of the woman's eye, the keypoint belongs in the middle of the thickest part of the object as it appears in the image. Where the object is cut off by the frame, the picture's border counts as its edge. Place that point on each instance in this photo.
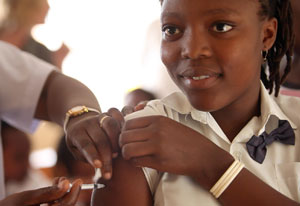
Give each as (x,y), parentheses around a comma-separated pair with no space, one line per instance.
(222,27)
(170,30)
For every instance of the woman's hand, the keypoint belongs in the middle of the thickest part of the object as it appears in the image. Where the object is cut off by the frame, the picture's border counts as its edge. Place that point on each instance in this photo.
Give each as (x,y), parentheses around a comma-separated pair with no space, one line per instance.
(56,195)
(166,145)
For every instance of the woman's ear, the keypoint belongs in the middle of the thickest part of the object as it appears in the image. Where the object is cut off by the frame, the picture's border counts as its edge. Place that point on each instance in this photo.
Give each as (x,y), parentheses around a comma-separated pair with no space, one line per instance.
(269,33)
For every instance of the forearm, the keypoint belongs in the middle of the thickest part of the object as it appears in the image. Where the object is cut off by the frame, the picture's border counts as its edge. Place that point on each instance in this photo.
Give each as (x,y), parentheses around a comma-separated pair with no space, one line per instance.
(60,93)
(246,188)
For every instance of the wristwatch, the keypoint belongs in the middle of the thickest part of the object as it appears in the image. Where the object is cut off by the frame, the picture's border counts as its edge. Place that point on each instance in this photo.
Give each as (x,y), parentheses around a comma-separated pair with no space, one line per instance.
(77,111)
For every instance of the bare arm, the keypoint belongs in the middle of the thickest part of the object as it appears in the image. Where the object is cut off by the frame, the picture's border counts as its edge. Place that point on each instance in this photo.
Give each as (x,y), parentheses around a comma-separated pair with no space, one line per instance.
(247,189)
(128,187)
(60,93)
(85,138)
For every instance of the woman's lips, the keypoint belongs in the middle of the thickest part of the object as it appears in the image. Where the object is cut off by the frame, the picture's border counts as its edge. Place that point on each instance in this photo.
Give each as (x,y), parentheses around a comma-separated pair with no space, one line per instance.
(200,82)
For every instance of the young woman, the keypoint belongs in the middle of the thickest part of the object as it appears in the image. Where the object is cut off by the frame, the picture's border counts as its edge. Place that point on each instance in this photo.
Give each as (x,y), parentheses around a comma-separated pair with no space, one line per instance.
(201,146)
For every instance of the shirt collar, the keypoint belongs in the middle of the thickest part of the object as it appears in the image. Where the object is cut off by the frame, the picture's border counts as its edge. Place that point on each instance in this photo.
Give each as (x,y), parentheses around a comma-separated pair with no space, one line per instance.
(270,108)
(179,102)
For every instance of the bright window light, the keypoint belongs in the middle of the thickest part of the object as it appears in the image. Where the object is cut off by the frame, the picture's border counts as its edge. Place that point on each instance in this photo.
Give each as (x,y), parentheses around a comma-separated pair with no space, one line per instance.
(106,39)
(43,158)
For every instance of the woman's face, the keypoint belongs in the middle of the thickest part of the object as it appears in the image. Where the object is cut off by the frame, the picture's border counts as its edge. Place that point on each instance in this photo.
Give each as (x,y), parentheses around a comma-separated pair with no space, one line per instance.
(212,50)
(41,11)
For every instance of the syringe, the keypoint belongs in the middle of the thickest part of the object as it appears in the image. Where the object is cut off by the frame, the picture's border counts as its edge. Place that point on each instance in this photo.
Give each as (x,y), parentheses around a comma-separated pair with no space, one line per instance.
(89,186)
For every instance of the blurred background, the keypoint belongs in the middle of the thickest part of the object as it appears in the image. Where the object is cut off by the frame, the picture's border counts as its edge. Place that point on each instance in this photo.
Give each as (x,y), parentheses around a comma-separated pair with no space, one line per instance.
(106,42)
(110,46)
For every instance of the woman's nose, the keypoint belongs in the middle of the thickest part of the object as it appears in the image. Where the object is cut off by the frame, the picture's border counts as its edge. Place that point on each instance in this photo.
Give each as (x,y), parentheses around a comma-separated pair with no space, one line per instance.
(195,45)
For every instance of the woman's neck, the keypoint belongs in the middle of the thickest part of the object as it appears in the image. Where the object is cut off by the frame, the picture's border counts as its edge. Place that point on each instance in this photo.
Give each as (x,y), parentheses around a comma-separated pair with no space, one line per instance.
(234,117)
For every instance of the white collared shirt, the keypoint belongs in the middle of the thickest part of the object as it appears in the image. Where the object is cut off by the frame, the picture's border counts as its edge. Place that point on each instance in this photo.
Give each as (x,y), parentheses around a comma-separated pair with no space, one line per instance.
(280,169)
(22,77)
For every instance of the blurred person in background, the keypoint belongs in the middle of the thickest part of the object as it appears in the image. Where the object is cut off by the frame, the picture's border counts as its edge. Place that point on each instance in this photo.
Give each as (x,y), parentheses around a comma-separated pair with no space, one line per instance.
(16,26)
(19,176)
(291,85)
(67,166)
(136,96)
(161,85)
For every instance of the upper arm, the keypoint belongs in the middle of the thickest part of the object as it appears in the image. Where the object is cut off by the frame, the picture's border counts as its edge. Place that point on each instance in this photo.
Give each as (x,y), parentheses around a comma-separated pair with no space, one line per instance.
(41,108)
(128,187)
(59,94)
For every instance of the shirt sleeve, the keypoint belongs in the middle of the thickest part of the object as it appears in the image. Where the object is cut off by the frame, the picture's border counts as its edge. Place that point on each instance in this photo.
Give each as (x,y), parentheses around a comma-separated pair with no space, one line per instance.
(22,77)
(154,107)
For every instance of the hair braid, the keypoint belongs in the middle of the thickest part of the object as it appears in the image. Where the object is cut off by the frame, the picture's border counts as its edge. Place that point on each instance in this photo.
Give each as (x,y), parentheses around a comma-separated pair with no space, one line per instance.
(283,46)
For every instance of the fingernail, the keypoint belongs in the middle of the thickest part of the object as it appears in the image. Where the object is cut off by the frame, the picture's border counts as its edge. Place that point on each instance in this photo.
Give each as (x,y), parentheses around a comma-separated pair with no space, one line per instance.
(63,185)
(107,175)
(79,181)
(115,155)
(97,163)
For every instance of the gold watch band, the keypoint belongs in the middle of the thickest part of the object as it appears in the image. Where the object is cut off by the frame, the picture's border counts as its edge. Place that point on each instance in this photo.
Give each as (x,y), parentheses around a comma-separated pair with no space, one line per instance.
(77,111)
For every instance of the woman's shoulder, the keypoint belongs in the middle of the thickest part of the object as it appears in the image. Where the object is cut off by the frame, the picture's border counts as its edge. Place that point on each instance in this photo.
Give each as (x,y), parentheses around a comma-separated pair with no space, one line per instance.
(168,106)
(290,106)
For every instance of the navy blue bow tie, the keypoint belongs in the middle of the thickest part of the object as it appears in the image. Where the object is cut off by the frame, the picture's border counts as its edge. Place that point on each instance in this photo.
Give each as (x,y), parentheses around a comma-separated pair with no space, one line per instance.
(257,146)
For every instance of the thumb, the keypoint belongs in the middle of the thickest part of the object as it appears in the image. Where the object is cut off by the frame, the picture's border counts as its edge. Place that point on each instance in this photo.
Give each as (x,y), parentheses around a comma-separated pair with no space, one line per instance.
(117,115)
(127,110)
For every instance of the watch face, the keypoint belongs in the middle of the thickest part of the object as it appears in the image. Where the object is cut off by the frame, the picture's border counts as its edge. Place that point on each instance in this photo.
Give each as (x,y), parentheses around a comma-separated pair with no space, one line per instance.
(78,110)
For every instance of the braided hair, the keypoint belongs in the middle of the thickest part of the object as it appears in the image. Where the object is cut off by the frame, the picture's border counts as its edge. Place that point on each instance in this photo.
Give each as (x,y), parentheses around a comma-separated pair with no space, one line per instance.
(284,43)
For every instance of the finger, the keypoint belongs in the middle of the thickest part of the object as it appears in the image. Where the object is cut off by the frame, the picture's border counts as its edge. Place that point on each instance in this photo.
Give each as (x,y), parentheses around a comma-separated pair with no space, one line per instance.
(127,110)
(144,161)
(72,148)
(44,195)
(72,196)
(134,135)
(103,146)
(112,129)
(55,181)
(139,122)
(117,115)
(77,154)
(87,148)
(137,149)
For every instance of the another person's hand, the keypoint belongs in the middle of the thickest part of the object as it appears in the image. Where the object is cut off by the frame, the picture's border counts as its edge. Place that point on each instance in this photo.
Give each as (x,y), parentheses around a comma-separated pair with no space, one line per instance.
(94,138)
(59,55)
(56,195)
